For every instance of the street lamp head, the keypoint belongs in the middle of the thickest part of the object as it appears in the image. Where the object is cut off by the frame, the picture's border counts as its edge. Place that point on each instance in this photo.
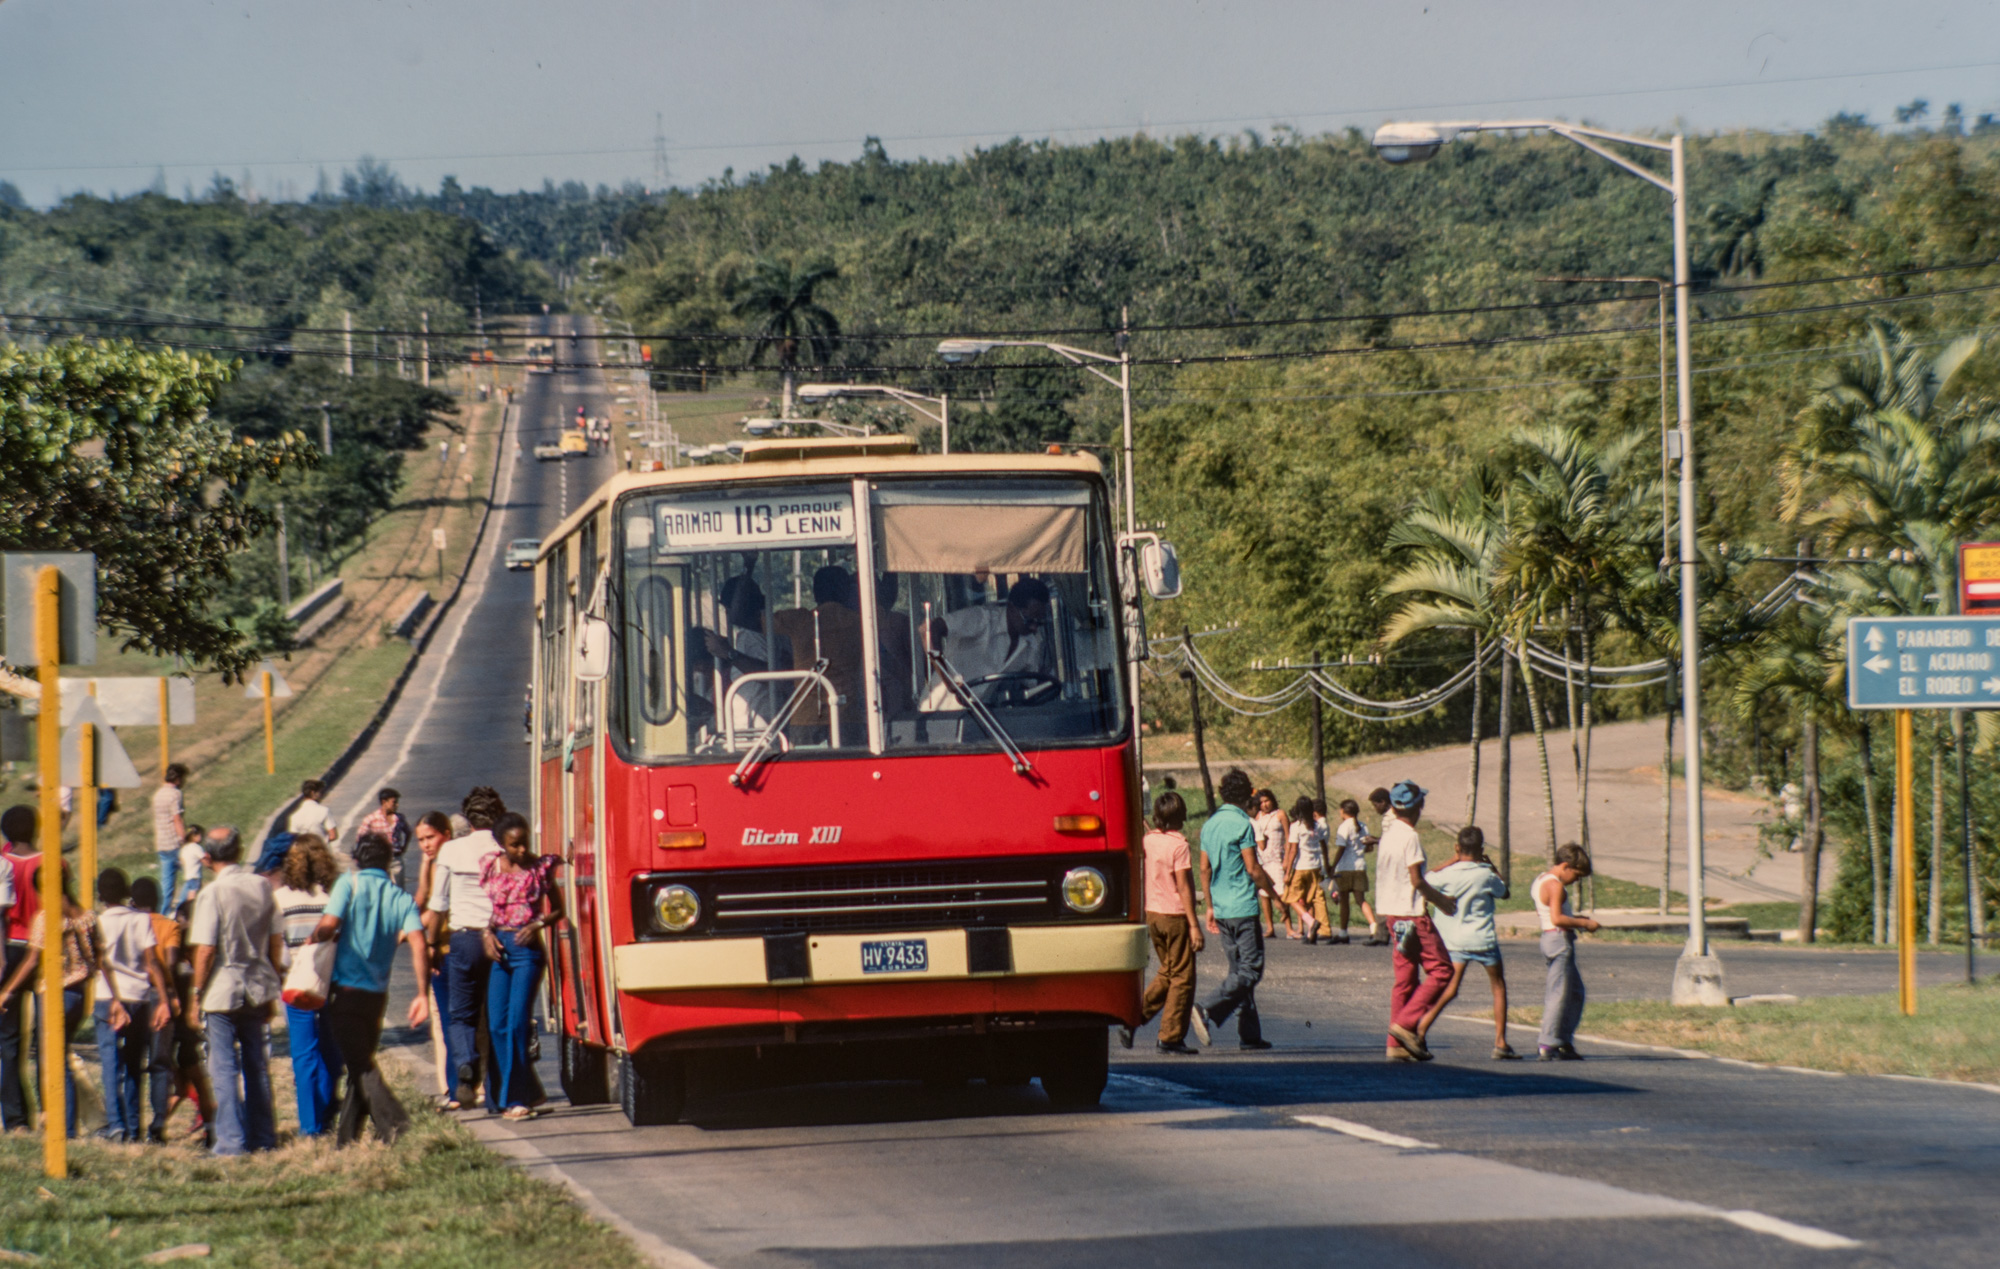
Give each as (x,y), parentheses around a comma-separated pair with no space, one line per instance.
(1411,142)
(819,391)
(957,350)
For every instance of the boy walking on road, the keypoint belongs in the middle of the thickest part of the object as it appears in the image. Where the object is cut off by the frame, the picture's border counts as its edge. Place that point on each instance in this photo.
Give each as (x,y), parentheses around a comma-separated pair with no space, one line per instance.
(1351,845)
(1562,999)
(1469,934)
(1232,882)
(1423,969)
(1170,919)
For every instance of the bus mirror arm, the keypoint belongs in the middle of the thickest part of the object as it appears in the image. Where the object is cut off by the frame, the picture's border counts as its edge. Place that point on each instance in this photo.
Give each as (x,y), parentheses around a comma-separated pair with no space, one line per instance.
(767,740)
(955,683)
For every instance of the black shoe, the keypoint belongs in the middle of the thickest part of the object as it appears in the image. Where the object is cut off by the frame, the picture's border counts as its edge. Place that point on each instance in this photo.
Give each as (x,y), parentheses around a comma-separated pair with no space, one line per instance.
(1254,1046)
(1379,940)
(1124,1037)
(1341,939)
(158,1136)
(1568,1053)
(1177,1048)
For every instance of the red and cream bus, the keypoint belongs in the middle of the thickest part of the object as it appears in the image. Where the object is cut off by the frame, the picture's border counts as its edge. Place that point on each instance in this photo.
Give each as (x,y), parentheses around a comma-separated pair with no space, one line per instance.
(836,746)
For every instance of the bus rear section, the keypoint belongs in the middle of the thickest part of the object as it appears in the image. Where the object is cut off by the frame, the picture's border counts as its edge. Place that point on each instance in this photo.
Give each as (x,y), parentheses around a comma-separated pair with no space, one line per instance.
(847,790)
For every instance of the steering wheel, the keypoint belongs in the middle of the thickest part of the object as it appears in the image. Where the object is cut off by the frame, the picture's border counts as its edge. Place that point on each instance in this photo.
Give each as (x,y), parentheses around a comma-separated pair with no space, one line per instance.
(1015,686)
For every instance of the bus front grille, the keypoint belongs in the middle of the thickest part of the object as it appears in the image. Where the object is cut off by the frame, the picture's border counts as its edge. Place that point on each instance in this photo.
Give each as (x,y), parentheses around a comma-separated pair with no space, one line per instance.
(943,895)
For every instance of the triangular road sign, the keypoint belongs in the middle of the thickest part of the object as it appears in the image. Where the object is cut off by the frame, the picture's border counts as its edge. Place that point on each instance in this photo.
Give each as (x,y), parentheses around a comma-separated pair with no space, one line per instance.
(114,766)
(253,683)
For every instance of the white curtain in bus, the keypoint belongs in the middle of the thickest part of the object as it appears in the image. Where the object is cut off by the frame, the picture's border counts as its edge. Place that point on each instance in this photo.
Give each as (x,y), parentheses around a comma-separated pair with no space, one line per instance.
(956,538)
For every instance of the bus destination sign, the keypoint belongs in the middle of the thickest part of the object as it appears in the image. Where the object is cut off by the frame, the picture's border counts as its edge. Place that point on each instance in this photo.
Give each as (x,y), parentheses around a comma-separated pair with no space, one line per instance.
(757,522)
(1923,662)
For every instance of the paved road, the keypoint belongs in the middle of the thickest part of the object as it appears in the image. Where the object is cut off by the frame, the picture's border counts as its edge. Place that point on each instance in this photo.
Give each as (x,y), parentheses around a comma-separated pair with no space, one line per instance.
(1316,1152)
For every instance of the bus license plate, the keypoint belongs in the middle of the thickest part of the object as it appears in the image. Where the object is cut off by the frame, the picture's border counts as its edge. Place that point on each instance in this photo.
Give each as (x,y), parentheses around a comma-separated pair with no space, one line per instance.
(896,956)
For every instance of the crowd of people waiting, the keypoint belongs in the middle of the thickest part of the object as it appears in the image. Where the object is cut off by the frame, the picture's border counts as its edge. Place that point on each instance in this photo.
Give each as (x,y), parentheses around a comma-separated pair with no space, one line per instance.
(1259,868)
(189,970)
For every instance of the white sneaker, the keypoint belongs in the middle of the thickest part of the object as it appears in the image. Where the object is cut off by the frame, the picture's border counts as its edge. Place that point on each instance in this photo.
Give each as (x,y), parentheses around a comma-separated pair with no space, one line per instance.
(1198,1020)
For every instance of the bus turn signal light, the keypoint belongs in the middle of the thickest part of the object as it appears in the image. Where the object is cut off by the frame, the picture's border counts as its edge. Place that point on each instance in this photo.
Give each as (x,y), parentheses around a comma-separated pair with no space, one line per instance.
(683,839)
(1079,824)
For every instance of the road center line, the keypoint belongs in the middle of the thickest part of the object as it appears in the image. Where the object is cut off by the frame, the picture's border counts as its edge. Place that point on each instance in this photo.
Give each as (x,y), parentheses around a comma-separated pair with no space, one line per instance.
(1365,1133)
(1790,1231)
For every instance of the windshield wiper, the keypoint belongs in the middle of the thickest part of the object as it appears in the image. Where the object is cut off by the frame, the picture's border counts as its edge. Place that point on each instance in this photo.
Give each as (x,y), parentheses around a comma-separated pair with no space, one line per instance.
(760,749)
(955,683)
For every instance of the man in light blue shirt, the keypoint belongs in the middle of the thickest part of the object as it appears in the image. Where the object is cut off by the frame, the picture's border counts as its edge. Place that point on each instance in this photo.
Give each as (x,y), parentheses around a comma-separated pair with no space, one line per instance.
(369,914)
(1230,882)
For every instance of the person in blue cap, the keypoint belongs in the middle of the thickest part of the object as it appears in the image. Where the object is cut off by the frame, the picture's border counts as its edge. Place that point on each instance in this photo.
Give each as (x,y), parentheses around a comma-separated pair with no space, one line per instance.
(1422,966)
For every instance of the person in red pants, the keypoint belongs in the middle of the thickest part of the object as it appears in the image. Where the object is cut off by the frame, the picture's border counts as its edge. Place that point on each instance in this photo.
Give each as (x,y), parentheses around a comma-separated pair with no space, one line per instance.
(1422,966)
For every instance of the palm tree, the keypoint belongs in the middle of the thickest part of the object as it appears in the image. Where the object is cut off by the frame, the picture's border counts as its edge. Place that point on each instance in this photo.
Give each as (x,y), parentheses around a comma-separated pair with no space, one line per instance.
(779,296)
(1453,542)
(1574,528)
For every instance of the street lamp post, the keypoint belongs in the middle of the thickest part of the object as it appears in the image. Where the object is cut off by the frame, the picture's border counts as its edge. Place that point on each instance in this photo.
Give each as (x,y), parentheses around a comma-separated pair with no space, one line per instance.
(834,391)
(963,350)
(1698,975)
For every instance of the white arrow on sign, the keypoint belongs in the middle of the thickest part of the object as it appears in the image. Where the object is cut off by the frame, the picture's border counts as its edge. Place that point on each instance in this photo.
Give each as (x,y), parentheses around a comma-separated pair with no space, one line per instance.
(253,684)
(1992,685)
(114,765)
(1874,639)
(1877,664)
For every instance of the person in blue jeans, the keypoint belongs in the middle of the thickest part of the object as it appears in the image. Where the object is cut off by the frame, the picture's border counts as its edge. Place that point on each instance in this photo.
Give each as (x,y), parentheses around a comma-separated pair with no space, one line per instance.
(238,941)
(368,914)
(306,873)
(459,900)
(1231,881)
(516,881)
(132,1004)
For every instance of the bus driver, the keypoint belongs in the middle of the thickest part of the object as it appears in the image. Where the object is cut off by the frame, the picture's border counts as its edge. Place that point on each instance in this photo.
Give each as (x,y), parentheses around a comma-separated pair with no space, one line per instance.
(983,640)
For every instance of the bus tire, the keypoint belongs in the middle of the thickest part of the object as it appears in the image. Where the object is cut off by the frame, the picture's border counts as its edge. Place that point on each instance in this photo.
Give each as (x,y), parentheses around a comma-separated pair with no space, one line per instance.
(1075,1068)
(651,1090)
(585,1079)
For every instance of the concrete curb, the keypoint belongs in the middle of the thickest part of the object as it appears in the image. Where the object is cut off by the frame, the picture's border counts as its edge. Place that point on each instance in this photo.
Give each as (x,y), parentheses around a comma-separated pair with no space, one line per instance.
(421,640)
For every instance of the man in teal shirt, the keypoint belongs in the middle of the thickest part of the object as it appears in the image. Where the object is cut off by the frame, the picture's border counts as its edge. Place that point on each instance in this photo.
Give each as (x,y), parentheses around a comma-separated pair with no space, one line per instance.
(1230,880)
(369,914)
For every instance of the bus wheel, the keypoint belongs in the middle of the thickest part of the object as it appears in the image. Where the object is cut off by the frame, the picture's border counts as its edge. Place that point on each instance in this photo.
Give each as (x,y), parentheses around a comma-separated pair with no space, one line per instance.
(651,1090)
(1076,1065)
(585,1081)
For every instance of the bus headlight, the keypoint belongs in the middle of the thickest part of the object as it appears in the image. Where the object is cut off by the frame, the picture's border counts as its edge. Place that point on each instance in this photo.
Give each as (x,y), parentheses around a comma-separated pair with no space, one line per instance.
(676,908)
(1083,889)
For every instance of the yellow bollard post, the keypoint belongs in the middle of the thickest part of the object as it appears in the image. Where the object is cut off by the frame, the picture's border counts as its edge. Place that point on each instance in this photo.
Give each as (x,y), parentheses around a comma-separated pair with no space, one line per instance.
(48,650)
(166,746)
(270,746)
(1906,863)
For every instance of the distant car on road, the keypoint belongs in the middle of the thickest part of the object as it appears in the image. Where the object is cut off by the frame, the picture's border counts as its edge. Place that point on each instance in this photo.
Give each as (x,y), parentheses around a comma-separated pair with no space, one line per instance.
(550,451)
(521,552)
(575,443)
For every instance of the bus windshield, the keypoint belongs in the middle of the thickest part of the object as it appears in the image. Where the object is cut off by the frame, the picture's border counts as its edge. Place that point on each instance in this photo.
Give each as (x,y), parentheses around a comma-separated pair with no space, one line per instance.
(743,610)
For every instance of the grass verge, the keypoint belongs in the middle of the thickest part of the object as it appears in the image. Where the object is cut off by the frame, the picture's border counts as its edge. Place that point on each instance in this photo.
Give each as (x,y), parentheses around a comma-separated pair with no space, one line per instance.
(1955,1035)
(436,1198)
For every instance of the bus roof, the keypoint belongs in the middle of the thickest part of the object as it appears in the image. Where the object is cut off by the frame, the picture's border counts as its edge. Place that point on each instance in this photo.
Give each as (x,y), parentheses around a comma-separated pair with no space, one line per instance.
(832,456)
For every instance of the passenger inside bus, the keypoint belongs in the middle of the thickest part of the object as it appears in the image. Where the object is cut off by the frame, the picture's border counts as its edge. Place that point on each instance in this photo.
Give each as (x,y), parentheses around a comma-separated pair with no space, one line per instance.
(831,629)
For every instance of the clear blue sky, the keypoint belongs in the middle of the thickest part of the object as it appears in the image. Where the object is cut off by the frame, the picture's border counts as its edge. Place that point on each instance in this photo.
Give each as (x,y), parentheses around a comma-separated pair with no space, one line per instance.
(95,94)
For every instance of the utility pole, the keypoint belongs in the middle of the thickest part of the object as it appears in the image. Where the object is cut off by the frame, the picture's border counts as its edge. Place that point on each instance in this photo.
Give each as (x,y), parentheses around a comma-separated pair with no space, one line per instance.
(1319,740)
(326,428)
(284,563)
(347,338)
(425,373)
(1194,708)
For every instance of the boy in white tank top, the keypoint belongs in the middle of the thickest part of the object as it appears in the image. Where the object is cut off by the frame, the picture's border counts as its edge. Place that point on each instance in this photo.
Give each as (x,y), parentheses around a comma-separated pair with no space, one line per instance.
(1562,999)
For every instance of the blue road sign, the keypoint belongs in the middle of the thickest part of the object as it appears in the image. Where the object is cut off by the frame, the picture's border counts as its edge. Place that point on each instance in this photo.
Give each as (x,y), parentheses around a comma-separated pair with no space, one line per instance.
(1923,662)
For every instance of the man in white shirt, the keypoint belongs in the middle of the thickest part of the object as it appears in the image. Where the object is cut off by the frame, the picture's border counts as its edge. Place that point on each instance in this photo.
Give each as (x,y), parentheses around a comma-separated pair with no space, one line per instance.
(238,941)
(311,816)
(984,640)
(131,1005)
(458,898)
(170,826)
(1400,895)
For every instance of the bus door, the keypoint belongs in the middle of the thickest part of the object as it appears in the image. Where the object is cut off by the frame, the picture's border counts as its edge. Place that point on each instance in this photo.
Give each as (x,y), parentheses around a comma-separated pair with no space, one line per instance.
(582,812)
(576,951)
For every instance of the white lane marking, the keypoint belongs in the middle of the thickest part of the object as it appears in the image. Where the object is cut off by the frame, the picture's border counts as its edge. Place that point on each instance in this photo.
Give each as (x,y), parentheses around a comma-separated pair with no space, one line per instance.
(1790,1231)
(1365,1133)
(1929,1079)
(1757,1222)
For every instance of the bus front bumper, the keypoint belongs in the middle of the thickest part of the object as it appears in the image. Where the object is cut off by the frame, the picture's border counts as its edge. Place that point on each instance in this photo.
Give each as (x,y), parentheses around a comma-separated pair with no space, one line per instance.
(789,959)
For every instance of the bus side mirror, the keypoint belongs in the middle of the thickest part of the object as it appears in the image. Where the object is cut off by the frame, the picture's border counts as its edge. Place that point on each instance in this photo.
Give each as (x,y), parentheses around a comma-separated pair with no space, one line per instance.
(591,661)
(1160,566)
